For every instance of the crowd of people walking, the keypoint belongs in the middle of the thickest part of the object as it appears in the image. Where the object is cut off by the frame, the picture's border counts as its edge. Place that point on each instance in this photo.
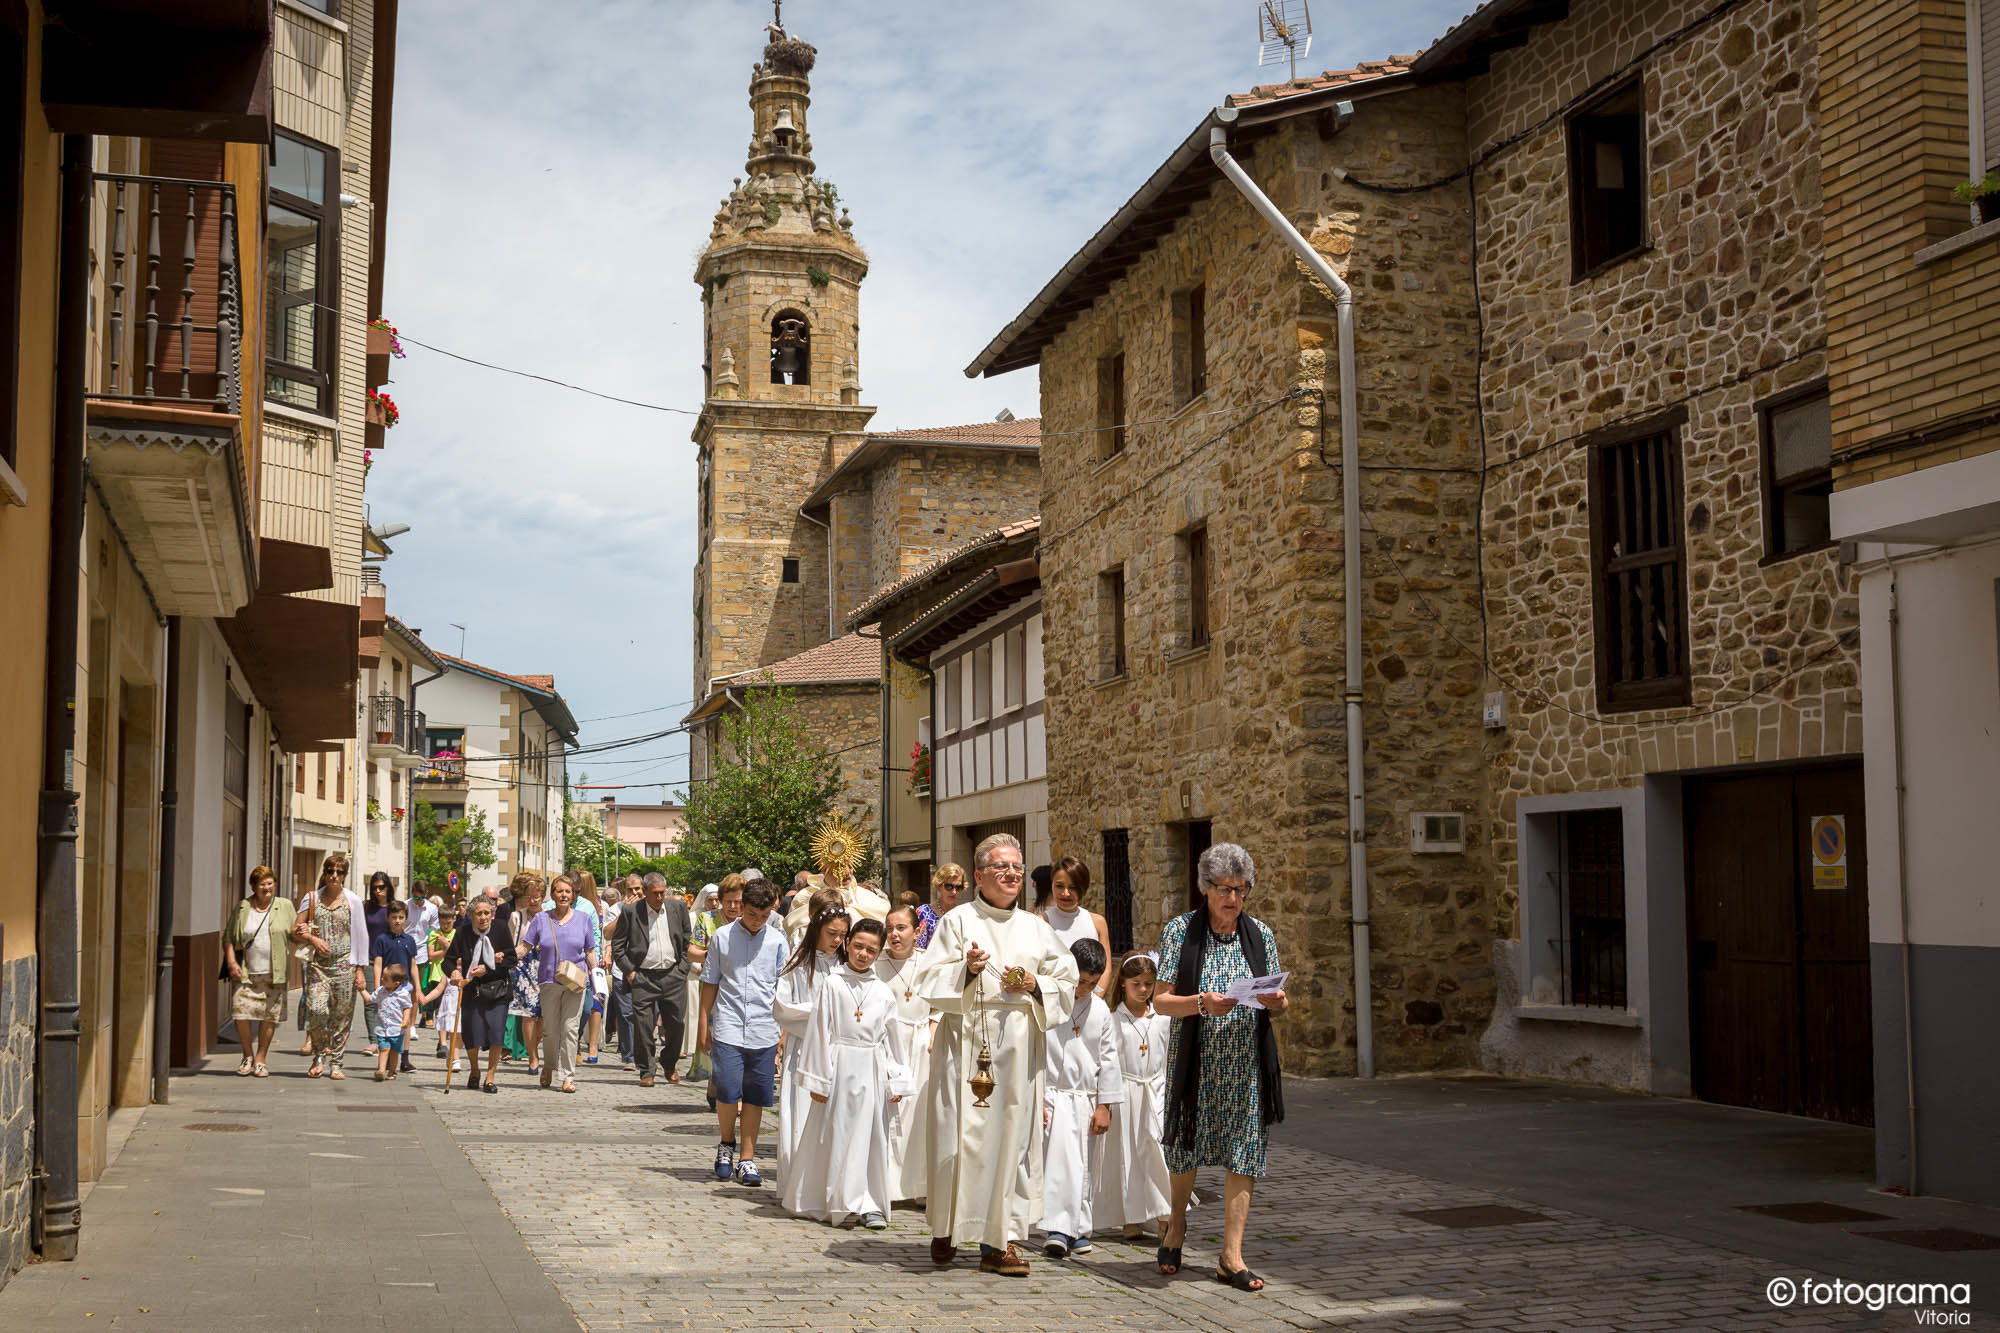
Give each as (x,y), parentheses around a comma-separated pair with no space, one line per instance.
(971,1055)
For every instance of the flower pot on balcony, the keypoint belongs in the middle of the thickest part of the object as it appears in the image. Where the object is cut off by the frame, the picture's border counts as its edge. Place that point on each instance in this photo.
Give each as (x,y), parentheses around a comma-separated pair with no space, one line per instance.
(379,342)
(384,736)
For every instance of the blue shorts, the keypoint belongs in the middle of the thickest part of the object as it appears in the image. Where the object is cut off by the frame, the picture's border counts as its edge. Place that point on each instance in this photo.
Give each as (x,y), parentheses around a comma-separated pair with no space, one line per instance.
(391,1041)
(743,1074)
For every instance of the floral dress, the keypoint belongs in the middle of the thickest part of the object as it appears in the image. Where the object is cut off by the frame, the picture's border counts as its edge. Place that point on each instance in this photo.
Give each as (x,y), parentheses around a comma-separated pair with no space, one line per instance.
(329,999)
(527,976)
(1229,1122)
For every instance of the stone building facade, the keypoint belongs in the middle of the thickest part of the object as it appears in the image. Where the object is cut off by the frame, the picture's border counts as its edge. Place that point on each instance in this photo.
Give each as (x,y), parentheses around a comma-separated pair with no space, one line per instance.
(1913,344)
(1585,257)
(1175,719)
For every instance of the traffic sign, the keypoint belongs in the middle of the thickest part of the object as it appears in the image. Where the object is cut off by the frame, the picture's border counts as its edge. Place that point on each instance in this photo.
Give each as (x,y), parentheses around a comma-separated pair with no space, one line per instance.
(452,879)
(1829,851)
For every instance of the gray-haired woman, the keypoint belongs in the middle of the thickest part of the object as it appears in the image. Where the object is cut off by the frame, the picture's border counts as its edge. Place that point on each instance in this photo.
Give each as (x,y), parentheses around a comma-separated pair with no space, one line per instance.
(1223,1085)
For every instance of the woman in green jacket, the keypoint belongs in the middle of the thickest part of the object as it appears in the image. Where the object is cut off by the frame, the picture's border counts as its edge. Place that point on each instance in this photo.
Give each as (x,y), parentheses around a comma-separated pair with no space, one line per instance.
(257,947)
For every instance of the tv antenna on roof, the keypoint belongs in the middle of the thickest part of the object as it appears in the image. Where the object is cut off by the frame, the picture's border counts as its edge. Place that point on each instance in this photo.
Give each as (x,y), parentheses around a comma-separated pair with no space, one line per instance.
(1284,32)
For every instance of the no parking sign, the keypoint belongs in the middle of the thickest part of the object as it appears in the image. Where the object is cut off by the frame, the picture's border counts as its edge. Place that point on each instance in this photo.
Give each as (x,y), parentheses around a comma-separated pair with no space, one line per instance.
(451,878)
(1829,851)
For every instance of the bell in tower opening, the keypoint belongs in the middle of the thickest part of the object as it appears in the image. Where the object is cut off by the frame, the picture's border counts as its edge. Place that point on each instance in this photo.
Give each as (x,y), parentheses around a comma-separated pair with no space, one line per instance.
(791,349)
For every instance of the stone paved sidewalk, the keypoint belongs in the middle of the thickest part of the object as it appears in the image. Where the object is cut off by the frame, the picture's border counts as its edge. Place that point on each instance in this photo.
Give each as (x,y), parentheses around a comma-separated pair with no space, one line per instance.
(624,1215)
(288,1202)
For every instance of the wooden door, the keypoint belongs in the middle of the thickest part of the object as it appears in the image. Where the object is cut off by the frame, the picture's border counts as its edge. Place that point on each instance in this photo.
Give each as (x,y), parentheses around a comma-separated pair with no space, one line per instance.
(1778,985)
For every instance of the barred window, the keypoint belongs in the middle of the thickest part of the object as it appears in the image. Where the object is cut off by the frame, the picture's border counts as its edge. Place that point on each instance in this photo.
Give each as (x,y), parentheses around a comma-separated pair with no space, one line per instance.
(1639,568)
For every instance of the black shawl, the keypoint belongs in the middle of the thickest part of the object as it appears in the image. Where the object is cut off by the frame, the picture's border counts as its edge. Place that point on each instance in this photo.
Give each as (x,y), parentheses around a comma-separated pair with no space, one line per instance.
(1184,1084)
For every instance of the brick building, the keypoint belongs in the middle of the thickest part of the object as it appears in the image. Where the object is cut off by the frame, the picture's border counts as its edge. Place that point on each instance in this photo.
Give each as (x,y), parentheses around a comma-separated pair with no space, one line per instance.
(1601,617)
(804,513)
(1913,347)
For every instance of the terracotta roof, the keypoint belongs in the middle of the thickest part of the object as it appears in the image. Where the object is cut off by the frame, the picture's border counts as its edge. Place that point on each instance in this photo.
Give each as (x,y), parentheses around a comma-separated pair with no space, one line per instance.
(1333,78)
(539,684)
(1021,430)
(851,658)
(888,592)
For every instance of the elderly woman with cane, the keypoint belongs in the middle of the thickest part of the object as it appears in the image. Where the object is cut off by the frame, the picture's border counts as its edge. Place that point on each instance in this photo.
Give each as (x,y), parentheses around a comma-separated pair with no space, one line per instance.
(1223,1085)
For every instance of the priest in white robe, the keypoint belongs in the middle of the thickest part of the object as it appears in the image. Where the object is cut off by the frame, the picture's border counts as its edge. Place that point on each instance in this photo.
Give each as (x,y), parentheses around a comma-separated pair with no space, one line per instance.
(999,978)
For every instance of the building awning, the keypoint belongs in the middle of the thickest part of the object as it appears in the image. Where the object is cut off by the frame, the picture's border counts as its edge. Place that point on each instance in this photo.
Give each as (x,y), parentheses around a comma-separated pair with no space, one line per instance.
(168,69)
(172,480)
(299,653)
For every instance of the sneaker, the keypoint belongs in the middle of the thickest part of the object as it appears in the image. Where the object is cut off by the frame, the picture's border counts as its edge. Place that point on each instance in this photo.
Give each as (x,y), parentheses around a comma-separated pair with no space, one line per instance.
(1057,1246)
(875,1222)
(748,1174)
(1081,1245)
(725,1160)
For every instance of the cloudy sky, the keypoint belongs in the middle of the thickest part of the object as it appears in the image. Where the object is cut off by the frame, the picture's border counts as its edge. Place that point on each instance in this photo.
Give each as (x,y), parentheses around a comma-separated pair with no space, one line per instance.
(552,182)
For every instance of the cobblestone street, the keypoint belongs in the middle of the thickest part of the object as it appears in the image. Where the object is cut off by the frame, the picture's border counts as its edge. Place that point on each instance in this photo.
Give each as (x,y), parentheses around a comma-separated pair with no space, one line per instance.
(655,1241)
(604,1201)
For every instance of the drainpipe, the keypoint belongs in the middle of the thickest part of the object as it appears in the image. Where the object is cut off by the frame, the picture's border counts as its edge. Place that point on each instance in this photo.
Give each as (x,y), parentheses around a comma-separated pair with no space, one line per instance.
(61,1216)
(827,528)
(170,800)
(1903,873)
(1350,494)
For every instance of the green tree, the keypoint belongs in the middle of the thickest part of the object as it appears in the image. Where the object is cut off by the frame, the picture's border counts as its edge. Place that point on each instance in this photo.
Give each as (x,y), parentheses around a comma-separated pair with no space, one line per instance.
(586,846)
(769,790)
(434,846)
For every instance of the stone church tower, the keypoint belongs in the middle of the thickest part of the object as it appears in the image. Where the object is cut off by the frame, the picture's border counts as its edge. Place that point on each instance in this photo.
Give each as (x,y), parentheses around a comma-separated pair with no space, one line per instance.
(781,289)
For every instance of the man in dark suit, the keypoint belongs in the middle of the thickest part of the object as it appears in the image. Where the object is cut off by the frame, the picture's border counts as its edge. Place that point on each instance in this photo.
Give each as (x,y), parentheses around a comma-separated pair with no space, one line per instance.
(650,952)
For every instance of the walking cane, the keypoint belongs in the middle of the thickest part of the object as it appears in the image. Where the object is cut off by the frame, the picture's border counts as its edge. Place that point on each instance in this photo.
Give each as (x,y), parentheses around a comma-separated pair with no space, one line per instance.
(451,1046)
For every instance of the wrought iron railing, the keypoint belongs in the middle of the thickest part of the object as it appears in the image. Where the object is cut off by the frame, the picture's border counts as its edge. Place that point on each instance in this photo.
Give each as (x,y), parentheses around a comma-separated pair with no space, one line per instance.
(391,722)
(174,312)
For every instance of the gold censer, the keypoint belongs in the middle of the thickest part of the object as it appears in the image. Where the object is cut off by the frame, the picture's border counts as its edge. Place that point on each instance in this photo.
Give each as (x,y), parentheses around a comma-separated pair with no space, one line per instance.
(981,1081)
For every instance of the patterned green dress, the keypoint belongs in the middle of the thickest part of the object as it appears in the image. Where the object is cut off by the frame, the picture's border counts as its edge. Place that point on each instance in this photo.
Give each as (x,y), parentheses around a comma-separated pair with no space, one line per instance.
(1229,1124)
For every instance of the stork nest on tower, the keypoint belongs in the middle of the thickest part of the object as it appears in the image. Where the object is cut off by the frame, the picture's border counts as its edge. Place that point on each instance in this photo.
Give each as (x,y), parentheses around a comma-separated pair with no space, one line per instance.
(789,55)
(837,849)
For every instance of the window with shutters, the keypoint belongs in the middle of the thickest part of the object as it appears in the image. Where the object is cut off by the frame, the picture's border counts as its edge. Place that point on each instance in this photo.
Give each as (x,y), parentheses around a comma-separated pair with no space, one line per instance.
(299,774)
(13,132)
(1798,472)
(1607,180)
(1111,663)
(1639,566)
(301,294)
(1982,49)
(319,789)
(1190,343)
(1194,553)
(1110,405)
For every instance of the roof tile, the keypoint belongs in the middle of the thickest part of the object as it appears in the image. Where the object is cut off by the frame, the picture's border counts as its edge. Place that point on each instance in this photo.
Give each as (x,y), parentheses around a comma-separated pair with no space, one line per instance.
(854,657)
(1333,78)
(1020,527)
(1021,430)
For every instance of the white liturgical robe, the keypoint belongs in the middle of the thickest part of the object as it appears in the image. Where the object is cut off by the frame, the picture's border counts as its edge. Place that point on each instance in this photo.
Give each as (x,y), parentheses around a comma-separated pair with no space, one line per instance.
(792,1006)
(1082,1075)
(860,900)
(909,1158)
(853,1057)
(985,1183)
(1131,1185)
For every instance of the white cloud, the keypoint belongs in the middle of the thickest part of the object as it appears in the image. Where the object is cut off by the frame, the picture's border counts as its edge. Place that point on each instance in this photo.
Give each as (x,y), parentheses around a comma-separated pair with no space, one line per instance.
(555,170)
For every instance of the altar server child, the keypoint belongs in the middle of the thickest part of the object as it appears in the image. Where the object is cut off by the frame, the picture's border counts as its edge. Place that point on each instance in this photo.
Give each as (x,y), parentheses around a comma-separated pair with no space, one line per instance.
(1081,1084)
(909,1141)
(822,950)
(1131,1184)
(853,1067)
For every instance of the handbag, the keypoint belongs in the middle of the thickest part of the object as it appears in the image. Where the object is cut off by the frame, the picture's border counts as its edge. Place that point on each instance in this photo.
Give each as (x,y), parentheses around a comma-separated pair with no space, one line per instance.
(572,977)
(222,972)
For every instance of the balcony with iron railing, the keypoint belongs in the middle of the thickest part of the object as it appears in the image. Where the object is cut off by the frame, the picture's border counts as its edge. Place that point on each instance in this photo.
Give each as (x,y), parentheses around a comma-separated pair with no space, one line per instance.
(165,436)
(396,732)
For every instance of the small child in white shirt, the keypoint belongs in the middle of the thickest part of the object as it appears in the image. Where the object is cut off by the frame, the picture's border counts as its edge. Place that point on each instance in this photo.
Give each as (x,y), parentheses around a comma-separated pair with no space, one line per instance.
(395,1002)
(1082,1083)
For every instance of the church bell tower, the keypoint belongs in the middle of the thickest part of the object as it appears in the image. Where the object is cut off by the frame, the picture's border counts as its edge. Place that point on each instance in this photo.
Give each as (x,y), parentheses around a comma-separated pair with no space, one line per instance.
(780,287)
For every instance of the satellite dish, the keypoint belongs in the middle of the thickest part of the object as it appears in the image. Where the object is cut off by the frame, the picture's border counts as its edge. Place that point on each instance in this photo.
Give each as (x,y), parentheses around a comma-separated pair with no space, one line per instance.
(1284,32)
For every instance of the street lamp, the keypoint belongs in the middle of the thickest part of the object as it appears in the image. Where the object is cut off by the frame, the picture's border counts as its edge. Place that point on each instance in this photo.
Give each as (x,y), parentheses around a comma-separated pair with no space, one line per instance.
(610,804)
(464,864)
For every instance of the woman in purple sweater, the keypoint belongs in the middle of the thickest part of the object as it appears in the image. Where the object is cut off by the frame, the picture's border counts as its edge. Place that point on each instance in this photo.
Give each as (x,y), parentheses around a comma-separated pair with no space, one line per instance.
(563,935)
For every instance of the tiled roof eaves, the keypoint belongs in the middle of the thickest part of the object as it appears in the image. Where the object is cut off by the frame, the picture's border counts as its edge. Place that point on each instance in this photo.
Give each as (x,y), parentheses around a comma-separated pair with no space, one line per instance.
(1019,344)
(416,641)
(1366,71)
(889,592)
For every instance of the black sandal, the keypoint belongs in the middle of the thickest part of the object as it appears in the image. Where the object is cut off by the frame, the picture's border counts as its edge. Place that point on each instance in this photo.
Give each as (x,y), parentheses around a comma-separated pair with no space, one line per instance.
(1242,1279)
(1169,1260)
(489,1086)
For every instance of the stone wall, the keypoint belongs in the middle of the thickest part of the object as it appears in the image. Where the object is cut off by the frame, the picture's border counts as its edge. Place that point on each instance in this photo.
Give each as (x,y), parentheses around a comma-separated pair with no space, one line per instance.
(844,720)
(932,499)
(1722,309)
(18,993)
(1248,733)
(1913,345)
